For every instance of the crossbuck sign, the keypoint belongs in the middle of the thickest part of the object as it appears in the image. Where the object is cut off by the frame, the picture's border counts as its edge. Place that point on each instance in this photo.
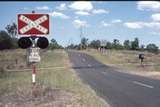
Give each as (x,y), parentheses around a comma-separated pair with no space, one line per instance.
(33,24)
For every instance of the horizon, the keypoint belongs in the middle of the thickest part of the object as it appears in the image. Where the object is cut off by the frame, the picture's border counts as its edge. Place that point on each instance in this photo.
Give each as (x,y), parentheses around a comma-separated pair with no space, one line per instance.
(98,19)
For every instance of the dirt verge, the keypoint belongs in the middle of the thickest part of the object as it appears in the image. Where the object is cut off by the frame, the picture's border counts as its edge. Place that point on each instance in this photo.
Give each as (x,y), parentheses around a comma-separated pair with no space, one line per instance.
(40,96)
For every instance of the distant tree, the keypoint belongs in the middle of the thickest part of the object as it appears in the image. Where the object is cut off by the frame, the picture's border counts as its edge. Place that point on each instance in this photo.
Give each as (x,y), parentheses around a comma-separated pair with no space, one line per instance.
(54,45)
(142,47)
(116,44)
(84,43)
(127,44)
(135,44)
(152,48)
(76,47)
(108,45)
(115,41)
(12,29)
(71,46)
(95,44)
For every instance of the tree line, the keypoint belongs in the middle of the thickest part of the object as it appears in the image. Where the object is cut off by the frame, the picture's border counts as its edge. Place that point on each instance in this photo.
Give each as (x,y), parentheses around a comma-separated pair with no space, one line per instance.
(115,44)
(9,39)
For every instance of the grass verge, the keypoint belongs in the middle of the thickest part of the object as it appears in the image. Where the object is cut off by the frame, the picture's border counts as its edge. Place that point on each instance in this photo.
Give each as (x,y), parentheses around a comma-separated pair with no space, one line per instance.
(127,60)
(64,78)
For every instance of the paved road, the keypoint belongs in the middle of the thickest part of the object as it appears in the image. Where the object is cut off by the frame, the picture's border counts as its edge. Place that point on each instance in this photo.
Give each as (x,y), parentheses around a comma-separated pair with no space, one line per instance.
(117,88)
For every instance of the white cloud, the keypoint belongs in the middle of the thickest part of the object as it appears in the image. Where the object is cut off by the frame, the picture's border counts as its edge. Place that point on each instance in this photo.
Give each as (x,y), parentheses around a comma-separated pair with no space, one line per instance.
(116,21)
(79,23)
(148,5)
(133,25)
(81,5)
(42,8)
(82,13)
(139,25)
(100,11)
(25,8)
(59,14)
(105,24)
(155,33)
(86,8)
(156,17)
(99,2)
(154,25)
(62,7)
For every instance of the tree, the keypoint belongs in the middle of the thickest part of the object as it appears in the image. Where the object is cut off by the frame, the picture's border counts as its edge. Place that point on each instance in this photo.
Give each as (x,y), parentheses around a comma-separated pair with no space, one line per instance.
(54,45)
(135,44)
(127,44)
(108,45)
(116,44)
(84,43)
(12,32)
(72,46)
(152,48)
(12,29)
(95,44)
(5,41)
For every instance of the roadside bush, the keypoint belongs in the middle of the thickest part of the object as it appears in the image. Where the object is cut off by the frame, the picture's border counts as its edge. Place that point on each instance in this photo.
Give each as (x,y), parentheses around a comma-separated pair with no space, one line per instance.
(6,42)
(152,48)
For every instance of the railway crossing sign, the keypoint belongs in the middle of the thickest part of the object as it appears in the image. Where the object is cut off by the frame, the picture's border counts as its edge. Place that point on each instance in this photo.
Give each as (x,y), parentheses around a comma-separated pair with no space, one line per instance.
(33,24)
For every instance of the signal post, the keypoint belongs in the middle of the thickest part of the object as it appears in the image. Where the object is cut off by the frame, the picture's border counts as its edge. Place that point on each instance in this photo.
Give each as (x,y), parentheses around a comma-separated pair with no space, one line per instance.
(29,27)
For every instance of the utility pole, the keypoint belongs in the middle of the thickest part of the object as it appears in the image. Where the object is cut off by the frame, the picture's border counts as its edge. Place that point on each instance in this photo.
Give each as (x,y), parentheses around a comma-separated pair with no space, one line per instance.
(81,35)
(70,41)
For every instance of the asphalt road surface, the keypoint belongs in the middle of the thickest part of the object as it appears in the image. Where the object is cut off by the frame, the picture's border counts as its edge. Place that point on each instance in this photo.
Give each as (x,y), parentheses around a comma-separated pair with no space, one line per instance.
(117,88)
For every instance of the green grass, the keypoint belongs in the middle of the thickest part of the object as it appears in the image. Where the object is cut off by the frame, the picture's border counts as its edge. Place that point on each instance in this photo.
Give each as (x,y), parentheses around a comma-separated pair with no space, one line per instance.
(127,59)
(61,78)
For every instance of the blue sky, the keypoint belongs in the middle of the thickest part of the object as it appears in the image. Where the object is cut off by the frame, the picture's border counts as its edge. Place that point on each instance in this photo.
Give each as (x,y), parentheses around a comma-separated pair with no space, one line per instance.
(99,20)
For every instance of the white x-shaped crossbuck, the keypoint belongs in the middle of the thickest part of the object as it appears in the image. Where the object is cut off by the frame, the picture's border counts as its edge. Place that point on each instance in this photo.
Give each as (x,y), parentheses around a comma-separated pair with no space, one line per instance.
(33,24)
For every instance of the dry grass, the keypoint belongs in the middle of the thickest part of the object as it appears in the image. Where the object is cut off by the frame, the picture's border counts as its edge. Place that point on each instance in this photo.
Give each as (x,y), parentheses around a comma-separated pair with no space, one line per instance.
(72,92)
(10,59)
(127,59)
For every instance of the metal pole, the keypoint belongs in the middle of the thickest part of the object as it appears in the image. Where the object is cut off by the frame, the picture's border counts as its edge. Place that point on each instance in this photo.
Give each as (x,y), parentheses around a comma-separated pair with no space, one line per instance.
(33,64)
(81,33)
(33,74)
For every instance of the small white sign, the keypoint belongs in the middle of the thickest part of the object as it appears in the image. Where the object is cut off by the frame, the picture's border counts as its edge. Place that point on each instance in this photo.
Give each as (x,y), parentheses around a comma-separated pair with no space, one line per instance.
(103,42)
(33,55)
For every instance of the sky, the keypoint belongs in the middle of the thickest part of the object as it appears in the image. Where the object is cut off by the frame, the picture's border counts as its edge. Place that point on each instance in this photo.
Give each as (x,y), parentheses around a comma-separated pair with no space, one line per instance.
(122,20)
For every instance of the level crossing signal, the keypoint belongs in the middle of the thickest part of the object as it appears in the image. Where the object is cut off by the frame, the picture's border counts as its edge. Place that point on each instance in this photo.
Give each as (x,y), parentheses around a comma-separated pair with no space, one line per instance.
(33,25)
(26,42)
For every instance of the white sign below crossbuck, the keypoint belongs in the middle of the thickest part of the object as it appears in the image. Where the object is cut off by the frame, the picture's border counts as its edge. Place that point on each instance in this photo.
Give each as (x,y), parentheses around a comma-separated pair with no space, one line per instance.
(33,55)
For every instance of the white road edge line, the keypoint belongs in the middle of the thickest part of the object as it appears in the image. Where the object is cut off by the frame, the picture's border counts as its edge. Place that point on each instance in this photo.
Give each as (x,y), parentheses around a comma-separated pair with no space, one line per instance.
(142,84)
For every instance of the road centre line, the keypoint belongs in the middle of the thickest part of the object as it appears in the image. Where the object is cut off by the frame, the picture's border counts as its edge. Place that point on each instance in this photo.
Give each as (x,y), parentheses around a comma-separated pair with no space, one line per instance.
(89,65)
(142,84)
(84,60)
